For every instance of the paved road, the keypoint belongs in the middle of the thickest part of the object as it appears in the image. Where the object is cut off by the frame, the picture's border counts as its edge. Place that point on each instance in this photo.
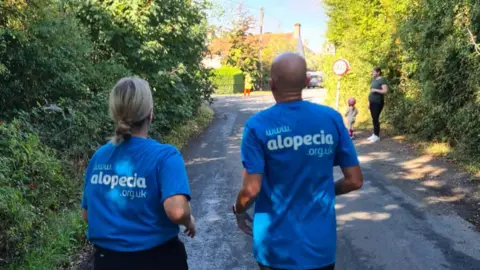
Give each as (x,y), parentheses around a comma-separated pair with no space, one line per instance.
(379,227)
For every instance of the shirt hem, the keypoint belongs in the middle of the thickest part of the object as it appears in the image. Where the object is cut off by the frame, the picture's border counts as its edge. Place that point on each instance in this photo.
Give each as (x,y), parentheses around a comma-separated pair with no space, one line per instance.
(283,266)
(129,250)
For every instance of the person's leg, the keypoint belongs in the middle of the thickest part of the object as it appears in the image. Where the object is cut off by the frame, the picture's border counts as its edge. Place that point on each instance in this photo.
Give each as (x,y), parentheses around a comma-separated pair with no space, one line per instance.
(330,267)
(171,255)
(248,91)
(375,110)
(244,92)
(108,260)
(350,128)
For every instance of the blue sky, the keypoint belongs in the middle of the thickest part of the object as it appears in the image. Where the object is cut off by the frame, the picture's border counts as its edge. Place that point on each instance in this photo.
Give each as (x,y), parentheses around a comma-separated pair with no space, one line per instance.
(281,15)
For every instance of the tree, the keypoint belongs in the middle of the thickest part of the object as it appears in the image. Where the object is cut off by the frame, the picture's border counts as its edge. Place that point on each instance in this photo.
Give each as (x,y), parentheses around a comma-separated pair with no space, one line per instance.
(244,50)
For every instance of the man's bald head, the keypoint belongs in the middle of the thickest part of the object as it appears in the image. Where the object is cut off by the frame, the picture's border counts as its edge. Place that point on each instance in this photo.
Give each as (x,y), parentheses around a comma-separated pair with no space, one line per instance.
(288,73)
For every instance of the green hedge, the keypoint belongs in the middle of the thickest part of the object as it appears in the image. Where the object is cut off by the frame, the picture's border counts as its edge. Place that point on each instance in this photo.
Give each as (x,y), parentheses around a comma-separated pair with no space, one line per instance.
(228,80)
(32,187)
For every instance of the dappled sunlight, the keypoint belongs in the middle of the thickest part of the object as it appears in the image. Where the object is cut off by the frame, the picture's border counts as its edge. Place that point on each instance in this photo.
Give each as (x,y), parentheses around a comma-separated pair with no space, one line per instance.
(442,199)
(376,156)
(339,206)
(391,207)
(198,161)
(433,183)
(416,162)
(372,216)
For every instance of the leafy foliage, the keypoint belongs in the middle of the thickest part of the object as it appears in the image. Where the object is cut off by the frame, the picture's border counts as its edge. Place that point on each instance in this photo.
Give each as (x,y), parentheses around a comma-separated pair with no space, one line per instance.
(244,49)
(58,61)
(430,56)
(228,80)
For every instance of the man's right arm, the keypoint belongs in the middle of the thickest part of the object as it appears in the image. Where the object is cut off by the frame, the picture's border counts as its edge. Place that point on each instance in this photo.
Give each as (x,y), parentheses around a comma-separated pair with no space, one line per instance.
(346,157)
(352,180)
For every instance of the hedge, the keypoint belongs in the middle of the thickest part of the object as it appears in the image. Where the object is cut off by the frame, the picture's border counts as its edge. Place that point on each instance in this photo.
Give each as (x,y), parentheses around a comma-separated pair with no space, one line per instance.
(228,80)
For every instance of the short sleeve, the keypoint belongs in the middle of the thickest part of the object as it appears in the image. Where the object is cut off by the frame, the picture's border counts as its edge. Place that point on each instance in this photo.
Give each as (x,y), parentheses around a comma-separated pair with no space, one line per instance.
(252,152)
(88,174)
(345,154)
(173,179)
(383,82)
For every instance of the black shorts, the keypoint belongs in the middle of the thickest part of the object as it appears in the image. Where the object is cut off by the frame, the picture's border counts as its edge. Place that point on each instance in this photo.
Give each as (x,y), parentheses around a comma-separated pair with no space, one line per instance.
(171,255)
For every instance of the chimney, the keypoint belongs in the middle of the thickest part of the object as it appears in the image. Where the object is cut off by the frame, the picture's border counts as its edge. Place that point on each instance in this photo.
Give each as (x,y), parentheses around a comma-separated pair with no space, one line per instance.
(296,32)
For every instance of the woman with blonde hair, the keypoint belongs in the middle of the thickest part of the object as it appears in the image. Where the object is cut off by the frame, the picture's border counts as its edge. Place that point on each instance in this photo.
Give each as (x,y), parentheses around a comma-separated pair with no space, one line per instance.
(136,190)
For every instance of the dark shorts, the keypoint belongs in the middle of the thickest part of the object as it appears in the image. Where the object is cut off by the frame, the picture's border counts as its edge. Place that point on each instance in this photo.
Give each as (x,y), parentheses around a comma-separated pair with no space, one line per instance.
(330,267)
(171,255)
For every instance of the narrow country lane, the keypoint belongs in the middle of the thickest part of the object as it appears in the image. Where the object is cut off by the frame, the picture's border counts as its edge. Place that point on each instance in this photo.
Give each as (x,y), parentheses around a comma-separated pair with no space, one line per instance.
(379,227)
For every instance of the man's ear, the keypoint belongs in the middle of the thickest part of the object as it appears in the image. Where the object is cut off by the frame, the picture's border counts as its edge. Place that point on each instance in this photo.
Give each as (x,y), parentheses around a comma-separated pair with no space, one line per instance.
(272,84)
(307,80)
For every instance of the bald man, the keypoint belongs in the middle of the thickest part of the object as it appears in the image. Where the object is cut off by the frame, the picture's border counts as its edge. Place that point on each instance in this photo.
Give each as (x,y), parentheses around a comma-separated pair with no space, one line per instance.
(288,153)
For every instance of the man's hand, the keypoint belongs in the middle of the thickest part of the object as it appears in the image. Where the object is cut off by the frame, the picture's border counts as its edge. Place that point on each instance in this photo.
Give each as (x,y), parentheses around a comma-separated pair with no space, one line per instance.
(190,229)
(244,222)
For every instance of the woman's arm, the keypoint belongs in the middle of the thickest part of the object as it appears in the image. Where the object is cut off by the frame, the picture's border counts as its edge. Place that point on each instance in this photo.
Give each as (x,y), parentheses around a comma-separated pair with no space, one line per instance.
(383,91)
(85,215)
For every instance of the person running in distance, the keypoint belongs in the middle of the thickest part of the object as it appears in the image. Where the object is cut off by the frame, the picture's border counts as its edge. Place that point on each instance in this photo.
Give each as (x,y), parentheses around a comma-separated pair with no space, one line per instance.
(288,153)
(376,99)
(248,85)
(136,190)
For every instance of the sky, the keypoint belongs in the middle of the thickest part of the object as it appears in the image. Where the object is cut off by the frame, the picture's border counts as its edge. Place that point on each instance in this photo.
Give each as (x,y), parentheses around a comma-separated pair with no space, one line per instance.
(281,15)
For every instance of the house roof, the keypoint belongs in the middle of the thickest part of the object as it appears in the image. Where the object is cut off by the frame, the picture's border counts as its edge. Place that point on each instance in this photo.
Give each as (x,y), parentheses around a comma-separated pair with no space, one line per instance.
(222,45)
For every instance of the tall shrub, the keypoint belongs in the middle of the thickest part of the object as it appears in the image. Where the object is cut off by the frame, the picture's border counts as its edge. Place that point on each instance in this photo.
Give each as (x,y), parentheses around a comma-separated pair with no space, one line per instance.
(228,80)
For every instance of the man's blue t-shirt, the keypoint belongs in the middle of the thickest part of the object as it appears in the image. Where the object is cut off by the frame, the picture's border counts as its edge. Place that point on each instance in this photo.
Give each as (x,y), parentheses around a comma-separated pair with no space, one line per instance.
(295,146)
(125,187)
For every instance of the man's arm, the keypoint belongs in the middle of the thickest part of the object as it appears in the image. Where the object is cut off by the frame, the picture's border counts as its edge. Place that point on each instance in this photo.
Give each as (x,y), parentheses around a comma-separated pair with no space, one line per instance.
(249,192)
(352,180)
(253,163)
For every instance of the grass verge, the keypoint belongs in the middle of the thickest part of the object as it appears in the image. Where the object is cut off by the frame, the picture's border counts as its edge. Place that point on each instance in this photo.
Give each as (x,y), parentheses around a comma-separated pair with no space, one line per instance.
(59,239)
(180,135)
(62,237)
(439,150)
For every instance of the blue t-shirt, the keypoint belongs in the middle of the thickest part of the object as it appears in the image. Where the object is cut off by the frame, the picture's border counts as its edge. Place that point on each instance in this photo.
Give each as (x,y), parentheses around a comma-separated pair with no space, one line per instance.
(295,146)
(125,187)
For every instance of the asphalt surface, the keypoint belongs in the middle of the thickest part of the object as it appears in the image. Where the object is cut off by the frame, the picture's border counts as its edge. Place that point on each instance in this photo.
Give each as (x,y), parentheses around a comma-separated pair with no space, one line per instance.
(379,227)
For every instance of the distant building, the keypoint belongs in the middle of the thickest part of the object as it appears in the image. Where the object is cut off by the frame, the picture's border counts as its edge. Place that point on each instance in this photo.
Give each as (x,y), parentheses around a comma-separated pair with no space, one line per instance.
(219,47)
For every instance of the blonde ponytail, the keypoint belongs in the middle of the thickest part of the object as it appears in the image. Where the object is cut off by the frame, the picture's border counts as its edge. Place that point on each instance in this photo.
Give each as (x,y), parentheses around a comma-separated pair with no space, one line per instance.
(131,104)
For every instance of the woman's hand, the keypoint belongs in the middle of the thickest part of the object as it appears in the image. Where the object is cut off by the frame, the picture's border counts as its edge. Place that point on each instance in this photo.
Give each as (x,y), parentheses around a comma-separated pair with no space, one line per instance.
(372,90)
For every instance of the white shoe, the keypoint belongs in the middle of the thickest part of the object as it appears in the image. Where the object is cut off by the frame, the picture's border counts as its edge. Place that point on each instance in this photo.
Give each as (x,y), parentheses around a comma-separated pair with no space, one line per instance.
(375,139)
(371,137)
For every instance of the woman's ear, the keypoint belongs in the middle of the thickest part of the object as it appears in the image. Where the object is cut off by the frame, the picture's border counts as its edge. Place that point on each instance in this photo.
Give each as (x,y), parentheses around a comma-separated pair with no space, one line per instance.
(150,117)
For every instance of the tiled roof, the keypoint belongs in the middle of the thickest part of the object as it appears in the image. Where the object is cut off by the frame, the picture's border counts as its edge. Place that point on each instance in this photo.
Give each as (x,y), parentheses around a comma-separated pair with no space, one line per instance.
(222,45)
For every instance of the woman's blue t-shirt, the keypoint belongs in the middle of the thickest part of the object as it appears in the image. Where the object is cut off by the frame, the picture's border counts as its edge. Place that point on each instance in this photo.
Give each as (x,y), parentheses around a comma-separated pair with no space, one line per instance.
(125,187)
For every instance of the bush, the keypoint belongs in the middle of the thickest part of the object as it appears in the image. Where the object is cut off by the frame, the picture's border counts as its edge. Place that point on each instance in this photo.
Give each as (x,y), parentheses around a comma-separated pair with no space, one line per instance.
(428,57)
(58,62)
(33,186)
(228,80)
